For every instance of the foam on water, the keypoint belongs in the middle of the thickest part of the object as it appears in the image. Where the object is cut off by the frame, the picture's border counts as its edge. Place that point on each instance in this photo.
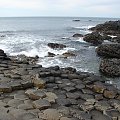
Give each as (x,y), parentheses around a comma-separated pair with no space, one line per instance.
(81,40)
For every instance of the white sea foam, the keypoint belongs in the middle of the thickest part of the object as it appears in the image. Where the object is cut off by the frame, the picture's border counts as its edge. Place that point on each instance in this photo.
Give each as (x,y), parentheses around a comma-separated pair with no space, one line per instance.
(81,40)
(113,36)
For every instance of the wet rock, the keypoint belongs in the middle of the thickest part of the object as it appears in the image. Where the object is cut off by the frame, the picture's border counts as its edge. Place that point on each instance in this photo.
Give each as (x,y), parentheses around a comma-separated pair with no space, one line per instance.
(24,59)
(56,45)
(110,94)
(51,114)
(41,104)
(109,27)
(51,54)
(77,35)
(109,50)
(110,67)
(69,54)
(93,38)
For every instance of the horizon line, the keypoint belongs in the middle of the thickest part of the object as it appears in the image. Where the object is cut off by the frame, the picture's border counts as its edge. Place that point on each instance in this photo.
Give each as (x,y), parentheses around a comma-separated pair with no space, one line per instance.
(58,17)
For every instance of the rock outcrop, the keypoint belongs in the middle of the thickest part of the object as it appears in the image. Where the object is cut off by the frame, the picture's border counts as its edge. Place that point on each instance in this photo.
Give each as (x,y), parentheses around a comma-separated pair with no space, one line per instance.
(77,35)
(56,46)
(93,38)
(109,50)
(110,27)
(110,67)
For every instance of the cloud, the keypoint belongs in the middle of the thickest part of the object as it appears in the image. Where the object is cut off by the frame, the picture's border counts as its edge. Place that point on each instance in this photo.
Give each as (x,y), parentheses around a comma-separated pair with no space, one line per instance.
(60,7)
(23,4)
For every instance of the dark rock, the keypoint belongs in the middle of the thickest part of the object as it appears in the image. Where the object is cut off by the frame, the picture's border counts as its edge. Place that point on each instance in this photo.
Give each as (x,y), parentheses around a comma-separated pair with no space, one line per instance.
(86,96)
(76,20)
(109,50)
(77,35)
(73,76)
(55,73)
(50,79)
(69,89)
(63,102)
(110,67)
(106,37)
(51,54)
(74,95)
(116,39)
(41,104)
(102,105)
(70,69)
(56,45)
(80,86)
(93,38)
(110,27)
(97,115)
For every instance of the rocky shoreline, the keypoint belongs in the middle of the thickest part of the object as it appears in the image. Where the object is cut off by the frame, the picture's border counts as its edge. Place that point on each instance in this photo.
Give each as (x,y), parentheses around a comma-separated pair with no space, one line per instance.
(31,92)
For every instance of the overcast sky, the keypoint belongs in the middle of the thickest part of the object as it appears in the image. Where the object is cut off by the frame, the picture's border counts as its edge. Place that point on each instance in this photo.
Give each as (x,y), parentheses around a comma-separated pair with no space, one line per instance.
(80,8)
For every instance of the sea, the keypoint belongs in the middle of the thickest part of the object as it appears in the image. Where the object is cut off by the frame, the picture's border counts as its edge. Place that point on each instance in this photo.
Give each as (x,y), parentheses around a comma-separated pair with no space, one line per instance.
(30,36)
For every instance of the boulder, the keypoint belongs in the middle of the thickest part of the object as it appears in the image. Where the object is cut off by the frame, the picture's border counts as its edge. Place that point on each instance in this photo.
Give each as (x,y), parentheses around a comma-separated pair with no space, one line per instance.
(110,67)
(109,27)
(68,54)
(51,54)
(3,55)
(93,38)
(77,35)
(56,45)
(109,50)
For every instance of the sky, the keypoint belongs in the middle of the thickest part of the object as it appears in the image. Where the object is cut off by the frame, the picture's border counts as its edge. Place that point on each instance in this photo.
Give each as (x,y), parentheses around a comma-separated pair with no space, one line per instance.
(78,8)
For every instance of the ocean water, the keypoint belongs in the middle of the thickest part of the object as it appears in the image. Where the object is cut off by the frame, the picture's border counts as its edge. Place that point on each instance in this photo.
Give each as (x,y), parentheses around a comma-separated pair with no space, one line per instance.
(30,36)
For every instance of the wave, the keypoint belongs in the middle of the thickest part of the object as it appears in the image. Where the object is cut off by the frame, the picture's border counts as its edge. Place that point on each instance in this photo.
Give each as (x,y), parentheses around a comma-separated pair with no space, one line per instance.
(83,27)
